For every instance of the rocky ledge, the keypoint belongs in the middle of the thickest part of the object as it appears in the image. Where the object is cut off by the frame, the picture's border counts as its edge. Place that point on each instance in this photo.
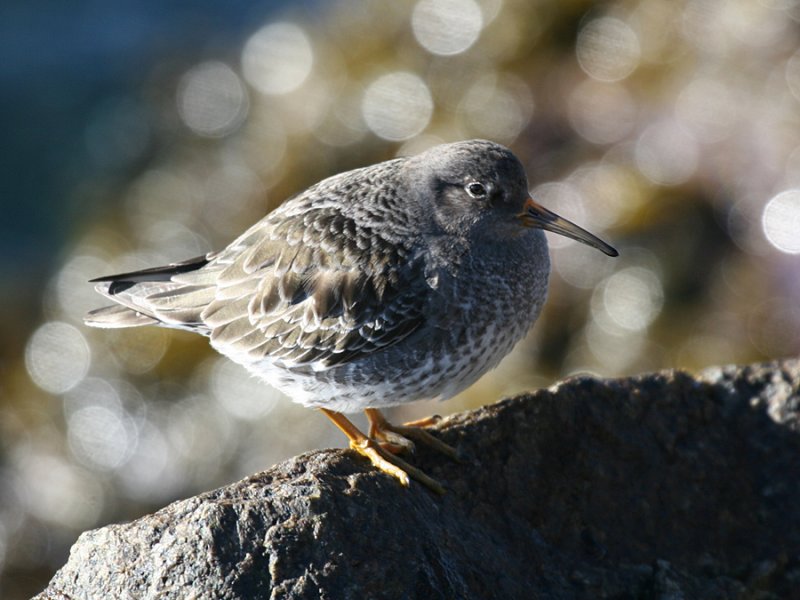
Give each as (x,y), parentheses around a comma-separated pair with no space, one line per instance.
(661,486)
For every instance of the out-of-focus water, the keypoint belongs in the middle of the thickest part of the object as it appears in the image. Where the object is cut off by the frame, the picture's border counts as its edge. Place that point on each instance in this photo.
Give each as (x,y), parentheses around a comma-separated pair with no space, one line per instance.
(72,73)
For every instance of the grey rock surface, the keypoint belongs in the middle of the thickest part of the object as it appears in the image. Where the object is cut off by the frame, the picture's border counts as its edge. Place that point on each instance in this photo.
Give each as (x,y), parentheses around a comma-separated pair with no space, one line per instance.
(662,486)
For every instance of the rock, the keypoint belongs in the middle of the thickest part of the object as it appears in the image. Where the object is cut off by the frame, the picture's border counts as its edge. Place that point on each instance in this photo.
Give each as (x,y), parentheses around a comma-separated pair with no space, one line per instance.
(661,486)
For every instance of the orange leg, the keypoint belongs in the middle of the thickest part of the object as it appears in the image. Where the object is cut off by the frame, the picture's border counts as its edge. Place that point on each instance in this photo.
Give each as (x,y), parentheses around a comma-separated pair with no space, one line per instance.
(380,458)
(394,438)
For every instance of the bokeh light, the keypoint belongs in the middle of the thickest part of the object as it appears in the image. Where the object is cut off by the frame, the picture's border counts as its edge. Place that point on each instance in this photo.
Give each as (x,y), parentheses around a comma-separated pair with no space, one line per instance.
(629,299)
(211,99)
(781,221)
(446,26)
(497,107)
(397,106)
(709,109)
(57,357)
(58,492)
(666,154)
(603,113)
(608,49)
(100,437)
(278,58)
(610,192)
(151,470)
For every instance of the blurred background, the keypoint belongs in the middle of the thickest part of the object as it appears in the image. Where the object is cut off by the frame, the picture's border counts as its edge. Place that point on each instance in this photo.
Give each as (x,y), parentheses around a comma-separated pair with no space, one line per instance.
(138,133)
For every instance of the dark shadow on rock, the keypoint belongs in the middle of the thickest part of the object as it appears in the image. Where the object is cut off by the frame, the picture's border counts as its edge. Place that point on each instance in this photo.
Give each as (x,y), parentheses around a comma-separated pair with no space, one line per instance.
(658,486)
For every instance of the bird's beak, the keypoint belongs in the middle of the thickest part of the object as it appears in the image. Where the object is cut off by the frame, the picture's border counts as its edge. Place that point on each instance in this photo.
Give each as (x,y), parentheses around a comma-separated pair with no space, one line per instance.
(537,216)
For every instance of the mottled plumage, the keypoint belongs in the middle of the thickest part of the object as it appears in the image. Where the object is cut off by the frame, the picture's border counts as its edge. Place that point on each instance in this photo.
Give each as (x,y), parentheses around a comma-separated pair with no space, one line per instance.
(397,282)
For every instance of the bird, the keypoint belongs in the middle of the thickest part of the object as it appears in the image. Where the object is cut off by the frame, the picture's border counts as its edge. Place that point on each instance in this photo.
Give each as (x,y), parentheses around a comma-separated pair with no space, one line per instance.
(401,281)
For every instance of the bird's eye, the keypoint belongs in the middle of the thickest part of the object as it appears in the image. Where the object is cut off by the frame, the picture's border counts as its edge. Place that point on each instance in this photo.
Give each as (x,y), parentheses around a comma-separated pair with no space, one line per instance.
(476,190)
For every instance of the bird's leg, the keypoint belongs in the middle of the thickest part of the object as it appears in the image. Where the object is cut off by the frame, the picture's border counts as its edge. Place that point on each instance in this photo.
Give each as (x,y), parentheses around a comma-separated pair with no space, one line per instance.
(380,458)
(389,435)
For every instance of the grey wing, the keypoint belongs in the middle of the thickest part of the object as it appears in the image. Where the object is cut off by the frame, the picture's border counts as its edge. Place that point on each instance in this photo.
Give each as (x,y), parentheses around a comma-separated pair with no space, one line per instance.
(313,289)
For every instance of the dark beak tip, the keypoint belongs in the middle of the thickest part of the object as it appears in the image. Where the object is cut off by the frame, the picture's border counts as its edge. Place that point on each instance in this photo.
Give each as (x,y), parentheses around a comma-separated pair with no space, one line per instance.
(536,215)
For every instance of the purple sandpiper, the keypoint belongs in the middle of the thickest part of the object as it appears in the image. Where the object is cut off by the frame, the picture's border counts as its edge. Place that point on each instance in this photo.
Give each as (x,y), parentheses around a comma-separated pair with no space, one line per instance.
(401,281)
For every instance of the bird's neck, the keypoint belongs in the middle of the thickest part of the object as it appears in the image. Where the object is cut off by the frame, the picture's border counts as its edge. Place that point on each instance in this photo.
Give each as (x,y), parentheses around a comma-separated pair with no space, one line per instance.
(512,256)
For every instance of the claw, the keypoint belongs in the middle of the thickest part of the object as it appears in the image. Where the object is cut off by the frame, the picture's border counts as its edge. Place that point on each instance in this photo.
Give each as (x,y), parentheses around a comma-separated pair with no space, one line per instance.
(424,421)
(393,443)
(380,457)
(380,429)
(423,437)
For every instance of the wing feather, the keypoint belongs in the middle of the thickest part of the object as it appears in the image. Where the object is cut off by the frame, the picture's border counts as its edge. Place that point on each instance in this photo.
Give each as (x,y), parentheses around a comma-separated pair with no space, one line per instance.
(219,313)
(326,298)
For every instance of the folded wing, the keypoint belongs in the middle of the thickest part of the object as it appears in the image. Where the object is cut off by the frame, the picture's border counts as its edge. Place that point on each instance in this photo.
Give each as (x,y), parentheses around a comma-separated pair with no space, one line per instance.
(306,288)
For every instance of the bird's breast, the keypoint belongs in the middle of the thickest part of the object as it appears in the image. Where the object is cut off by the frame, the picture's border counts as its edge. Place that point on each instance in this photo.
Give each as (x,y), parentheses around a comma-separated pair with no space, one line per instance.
(482,311)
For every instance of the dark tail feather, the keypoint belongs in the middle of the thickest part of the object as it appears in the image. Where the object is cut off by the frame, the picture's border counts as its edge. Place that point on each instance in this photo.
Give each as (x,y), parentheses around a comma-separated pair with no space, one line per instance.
(123,281)
(132,291)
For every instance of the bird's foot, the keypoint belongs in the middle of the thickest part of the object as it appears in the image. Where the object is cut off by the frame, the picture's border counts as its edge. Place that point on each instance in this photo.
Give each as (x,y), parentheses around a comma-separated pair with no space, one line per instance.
(393,465)
(379,457)
(395,438)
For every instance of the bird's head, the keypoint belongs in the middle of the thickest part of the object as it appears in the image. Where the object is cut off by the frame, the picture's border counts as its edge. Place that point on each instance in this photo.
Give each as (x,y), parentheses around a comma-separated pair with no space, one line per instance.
(479,189)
